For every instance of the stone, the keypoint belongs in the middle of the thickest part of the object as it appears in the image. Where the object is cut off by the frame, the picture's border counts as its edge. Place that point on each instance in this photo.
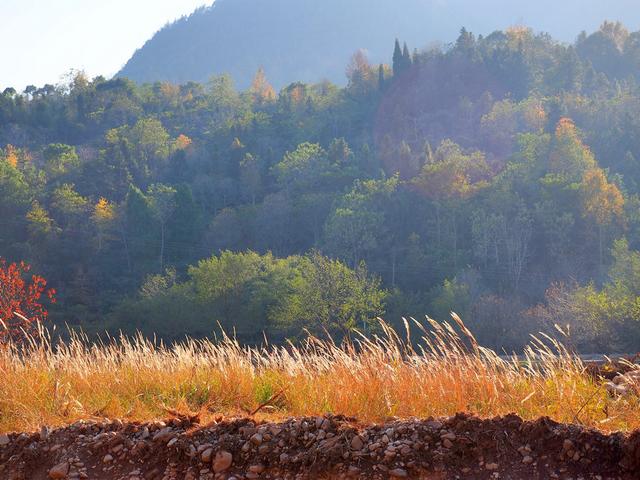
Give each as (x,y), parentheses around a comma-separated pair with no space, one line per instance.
(4,440)
(59,471)
(528,459)
(206,455)
(256,439)
(259,468)
(398,473)
(446,443)
(357,443)
(107,459)
(222,462)
(163,435)
(353,471)
(491,466)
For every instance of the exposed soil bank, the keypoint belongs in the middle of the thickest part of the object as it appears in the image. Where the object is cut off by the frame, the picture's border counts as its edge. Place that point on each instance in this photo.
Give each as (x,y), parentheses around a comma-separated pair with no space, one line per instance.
(322,447)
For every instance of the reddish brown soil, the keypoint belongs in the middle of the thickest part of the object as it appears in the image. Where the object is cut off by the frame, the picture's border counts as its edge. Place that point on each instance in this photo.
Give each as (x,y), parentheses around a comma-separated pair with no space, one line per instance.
(322,447)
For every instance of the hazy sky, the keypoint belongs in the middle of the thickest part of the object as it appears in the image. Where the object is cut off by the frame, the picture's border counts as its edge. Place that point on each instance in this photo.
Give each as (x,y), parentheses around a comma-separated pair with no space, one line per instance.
(40,40)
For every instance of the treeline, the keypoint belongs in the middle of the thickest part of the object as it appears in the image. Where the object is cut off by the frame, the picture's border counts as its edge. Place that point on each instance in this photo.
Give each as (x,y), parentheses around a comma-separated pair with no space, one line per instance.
(496,177)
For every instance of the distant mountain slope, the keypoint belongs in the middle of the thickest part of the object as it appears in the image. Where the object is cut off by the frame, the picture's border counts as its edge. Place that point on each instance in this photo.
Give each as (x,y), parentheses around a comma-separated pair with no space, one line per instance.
(310,40)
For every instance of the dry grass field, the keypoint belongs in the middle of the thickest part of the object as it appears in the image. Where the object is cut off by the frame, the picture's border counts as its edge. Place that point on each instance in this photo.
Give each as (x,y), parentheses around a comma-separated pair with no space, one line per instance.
(373,379)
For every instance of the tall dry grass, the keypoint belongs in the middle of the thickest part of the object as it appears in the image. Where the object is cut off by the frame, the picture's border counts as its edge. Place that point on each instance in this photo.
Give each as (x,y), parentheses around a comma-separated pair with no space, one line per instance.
(55,383)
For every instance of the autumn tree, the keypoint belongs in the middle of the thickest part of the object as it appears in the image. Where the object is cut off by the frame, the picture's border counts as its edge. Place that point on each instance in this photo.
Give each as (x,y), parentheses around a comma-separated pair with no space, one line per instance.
(11,156)
(570,157)
(261,89)
(103,217)
(360,73)
(182,142)
(453,177)
(602,201)
(20,301)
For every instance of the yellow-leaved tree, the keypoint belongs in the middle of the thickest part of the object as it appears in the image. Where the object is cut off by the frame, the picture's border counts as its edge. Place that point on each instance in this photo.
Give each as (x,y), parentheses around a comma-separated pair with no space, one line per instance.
(103,217)
(570,157)
(602,201)
(261,89)
(11,154)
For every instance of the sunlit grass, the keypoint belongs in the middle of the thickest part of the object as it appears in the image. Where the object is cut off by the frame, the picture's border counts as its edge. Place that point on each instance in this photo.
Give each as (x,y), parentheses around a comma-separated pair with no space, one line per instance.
(372,378)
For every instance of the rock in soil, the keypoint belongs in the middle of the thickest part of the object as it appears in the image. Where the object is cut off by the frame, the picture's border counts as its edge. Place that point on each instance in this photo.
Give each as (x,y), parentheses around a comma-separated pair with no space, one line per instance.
(328,447)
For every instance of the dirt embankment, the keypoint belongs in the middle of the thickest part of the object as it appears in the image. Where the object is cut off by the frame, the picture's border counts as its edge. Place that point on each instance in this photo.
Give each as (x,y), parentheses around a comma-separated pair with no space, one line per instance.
(321,447)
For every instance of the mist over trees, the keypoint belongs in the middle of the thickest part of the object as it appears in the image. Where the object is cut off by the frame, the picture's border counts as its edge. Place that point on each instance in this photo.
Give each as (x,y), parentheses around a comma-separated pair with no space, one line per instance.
(309,41)
(496,177)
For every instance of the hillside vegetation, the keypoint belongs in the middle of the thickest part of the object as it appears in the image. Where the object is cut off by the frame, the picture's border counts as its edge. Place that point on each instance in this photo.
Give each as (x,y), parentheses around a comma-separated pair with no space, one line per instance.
(497,177)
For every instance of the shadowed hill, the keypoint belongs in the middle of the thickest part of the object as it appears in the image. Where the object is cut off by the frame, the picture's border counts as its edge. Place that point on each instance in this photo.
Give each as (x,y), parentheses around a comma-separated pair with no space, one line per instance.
(308,40)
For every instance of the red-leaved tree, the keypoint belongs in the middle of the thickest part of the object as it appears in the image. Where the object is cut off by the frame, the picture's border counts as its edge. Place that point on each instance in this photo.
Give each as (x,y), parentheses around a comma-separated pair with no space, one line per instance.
(20,297)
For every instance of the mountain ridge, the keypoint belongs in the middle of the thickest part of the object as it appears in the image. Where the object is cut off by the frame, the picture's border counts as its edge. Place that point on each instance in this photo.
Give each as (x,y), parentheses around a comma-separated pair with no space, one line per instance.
(303,40)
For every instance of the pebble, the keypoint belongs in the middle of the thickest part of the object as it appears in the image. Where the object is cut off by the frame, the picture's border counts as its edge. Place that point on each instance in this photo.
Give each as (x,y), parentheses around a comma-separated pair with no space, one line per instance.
(399,473)
(59,471)
(4,440)
(206,455)
(357,443)
(259,468)
(163,435)
(107,459)
(353,471)
(222,462)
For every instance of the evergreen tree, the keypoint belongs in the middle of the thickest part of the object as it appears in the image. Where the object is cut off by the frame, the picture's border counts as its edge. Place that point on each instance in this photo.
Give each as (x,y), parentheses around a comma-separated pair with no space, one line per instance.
(406,57)
(466,42)
(381,77)
(398,64)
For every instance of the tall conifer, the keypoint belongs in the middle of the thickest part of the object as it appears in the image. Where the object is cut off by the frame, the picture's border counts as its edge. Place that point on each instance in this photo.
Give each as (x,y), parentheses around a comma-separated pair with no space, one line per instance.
(397,59)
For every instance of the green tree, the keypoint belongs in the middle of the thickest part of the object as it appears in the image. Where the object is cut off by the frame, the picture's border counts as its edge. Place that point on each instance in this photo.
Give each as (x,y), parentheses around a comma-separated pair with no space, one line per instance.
(60,159)
(163,203)
(303,168)
(353,231)
(328,296)
(398,60)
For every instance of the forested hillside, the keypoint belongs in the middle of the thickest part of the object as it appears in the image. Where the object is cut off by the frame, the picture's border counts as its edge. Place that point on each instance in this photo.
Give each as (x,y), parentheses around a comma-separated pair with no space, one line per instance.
(497,177)
(239,36)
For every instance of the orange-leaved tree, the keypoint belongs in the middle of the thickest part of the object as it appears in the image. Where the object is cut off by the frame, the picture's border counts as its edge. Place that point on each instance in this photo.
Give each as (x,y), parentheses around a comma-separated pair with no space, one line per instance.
(20,300)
